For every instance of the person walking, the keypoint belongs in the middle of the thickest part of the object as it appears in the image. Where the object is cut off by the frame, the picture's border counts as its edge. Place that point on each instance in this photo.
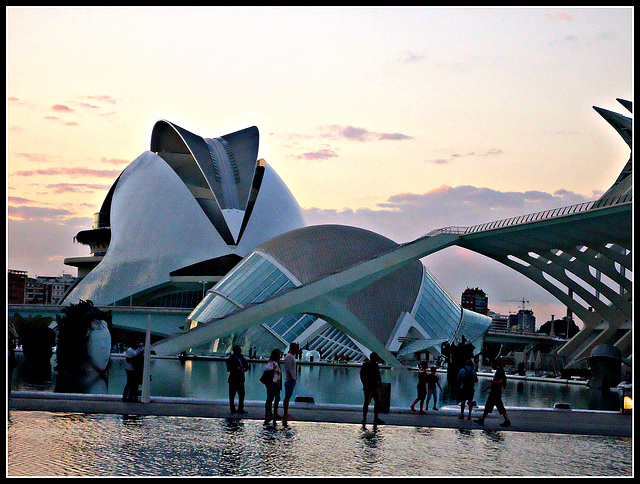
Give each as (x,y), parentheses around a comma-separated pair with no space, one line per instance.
(133,357)
(290,378)
(272,379)
(371,386)
(494,399)
(236,366)
(422,388)
(432,384)
(467,378)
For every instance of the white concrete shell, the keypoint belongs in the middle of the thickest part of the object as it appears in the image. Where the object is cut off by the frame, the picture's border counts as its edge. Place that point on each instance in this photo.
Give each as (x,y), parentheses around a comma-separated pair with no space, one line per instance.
(166,215)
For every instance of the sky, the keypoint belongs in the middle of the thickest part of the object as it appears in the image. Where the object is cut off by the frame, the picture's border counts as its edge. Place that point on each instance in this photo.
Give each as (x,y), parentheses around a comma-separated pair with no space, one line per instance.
(396,120)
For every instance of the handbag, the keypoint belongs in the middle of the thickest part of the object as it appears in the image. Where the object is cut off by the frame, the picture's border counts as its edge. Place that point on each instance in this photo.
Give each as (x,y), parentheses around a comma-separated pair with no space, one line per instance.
(267,376)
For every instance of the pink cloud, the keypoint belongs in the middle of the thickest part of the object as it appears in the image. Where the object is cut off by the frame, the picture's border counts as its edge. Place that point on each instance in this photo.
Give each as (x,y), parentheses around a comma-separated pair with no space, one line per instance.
(19,200)
(66,123)
(562,16)
(361,134)
(318,155)
(76,171)
(114,161)
(103,98)
(33,156)
(76,187)
(61,107)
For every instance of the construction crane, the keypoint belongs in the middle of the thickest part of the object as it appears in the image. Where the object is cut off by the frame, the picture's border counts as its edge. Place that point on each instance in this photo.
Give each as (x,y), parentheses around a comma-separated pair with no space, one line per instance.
(522,301)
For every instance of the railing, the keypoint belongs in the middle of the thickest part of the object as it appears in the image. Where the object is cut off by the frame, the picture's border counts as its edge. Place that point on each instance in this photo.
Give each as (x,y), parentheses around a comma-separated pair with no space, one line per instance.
(535,217)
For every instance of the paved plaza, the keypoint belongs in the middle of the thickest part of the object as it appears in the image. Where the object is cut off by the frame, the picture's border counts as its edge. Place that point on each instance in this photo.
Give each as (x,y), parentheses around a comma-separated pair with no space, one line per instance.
(582,422)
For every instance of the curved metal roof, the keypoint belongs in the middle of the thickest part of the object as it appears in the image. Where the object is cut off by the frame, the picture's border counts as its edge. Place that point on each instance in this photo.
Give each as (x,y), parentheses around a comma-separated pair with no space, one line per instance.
(319,250)
(220,172)
(165,216)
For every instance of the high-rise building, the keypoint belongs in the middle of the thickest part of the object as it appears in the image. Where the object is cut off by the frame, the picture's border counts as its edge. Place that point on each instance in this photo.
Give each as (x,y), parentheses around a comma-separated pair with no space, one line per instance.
(475,299)
(16,282)
(526,321)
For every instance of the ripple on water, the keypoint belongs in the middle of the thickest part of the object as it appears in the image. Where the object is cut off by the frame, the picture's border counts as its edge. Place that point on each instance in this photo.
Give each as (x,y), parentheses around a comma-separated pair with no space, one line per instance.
(49,444)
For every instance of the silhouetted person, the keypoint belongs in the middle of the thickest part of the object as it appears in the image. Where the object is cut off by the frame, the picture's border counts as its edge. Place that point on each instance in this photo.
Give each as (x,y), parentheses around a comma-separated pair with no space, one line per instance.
(236,366)
(371,386)
(421,387)
(290,377)
(134,360)
(467,378)
(494,399)
(432,385)
(272,379)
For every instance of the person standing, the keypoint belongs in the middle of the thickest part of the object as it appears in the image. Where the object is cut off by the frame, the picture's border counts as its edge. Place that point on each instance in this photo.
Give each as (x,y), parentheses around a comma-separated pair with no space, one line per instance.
(467,378)
(290,377)
(133,356)
(236,366)
(494,399)
(371,386)
(432,383)
(422,388)
(272,379)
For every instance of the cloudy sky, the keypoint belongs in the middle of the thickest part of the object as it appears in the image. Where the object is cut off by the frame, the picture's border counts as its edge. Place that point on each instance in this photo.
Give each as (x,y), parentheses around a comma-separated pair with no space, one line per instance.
(395,120)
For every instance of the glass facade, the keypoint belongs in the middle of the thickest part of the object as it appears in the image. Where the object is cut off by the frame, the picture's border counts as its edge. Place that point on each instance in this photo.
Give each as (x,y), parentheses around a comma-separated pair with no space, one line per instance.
(255,279)
(437,312)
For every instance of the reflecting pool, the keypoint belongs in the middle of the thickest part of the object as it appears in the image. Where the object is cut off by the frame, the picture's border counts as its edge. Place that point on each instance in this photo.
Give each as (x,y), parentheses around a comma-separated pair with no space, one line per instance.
(207,379)
(67,444)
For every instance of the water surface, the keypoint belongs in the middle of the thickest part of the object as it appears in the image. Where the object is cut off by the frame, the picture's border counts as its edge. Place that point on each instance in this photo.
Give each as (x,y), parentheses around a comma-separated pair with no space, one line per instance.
(64,444)
(207,379)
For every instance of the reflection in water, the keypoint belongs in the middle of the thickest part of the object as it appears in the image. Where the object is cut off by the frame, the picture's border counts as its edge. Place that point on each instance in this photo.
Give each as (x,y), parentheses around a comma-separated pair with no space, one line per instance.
(326,384)
(46,444)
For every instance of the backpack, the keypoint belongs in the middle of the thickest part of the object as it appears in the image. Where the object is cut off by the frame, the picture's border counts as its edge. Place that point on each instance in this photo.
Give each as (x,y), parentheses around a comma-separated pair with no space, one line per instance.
(469,377)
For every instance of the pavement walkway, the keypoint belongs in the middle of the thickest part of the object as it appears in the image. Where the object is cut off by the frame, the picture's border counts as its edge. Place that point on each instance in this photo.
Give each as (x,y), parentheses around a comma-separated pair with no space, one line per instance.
(583,422)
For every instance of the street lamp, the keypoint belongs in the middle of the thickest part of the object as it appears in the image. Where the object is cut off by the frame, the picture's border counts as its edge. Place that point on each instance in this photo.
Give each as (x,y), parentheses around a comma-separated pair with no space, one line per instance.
(626,398)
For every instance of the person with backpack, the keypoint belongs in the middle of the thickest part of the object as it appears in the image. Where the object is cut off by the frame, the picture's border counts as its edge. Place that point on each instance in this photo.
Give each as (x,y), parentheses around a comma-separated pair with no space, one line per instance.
(467,378)
(494,399)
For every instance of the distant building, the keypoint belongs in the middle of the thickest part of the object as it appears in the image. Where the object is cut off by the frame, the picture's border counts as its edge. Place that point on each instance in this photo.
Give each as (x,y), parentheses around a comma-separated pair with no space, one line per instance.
(16,282)
(525,321)
(47,289)
(499,322)
(475,300)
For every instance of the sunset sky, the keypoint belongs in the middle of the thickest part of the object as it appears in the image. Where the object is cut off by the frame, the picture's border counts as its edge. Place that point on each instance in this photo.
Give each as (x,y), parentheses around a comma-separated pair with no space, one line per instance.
(395,120)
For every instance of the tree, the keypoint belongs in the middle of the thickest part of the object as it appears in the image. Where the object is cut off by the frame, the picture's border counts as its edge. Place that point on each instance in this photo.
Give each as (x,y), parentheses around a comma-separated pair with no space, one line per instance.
(73,334)
(564,326)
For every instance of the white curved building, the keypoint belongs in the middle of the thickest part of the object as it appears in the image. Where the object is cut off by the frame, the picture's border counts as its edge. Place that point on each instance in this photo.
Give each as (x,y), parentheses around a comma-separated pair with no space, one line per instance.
(405,312)
(179,217)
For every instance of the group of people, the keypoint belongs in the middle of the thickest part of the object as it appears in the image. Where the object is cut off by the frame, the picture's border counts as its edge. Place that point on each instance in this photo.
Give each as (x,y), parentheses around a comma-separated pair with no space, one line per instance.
(428,383)
(467,378)
(273,378)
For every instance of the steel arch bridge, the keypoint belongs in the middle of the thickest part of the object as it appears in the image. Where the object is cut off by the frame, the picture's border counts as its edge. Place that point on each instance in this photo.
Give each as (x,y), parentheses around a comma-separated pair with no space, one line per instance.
(581,254)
